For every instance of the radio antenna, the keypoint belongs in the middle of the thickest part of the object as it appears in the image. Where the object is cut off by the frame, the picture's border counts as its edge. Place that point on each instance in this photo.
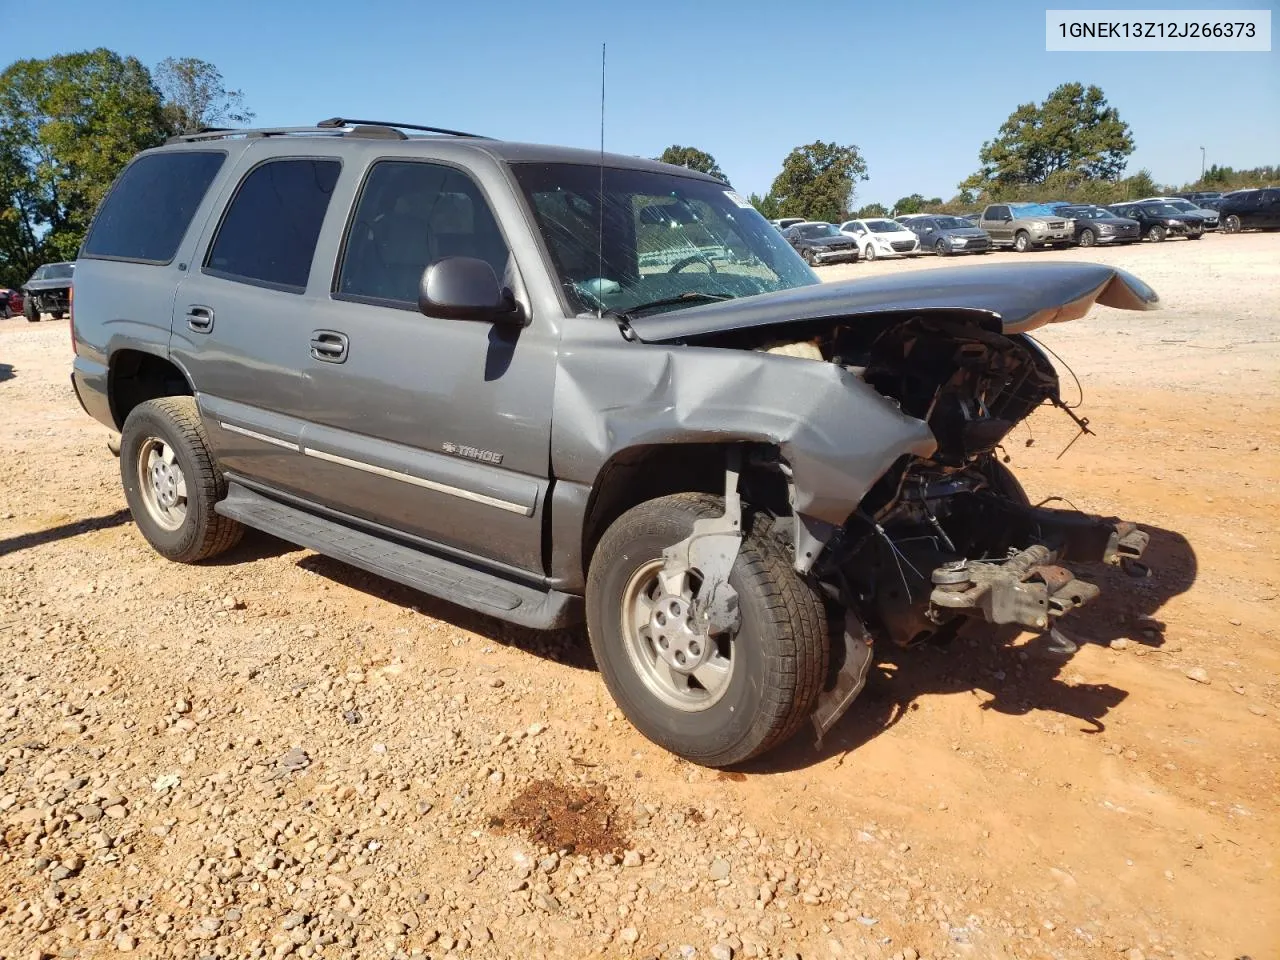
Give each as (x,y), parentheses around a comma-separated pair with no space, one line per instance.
(600,234)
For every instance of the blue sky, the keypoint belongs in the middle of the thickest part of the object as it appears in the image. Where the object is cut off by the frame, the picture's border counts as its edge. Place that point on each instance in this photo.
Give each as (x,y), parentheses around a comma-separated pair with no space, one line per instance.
(915,85)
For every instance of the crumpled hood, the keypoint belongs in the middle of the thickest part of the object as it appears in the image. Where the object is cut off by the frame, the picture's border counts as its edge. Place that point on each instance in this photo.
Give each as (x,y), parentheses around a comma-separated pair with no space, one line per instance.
(1021,296)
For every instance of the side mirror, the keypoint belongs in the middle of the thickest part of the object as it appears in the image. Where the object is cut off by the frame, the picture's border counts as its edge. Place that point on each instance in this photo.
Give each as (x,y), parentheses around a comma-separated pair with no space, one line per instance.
(465,288)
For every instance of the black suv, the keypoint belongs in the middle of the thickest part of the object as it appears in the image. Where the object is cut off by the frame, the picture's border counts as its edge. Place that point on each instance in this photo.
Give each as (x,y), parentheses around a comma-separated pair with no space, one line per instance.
(1160,220)
(556,386)
(1251,210)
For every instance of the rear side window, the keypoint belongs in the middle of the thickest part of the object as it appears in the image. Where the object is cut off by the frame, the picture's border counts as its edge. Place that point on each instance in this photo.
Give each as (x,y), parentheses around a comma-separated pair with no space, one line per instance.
(148,211)
(269,233)
(410,215)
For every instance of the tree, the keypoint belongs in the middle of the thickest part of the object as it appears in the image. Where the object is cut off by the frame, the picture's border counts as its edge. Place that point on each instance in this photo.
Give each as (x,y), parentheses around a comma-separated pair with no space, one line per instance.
(195,95)
(817,181)
(915,204)
(767,205)
(871,210)
(1075,129)
(693,159)
(68,124)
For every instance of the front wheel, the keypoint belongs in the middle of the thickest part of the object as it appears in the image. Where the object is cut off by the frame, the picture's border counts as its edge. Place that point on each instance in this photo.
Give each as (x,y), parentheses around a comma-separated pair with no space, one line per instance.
(1088,238)
(715,700)
(1231,224)
(1194,236)
(869,254)
(1157,233)
(1022,241)
(171,482)
(807,256)
(940,248)
(30,312)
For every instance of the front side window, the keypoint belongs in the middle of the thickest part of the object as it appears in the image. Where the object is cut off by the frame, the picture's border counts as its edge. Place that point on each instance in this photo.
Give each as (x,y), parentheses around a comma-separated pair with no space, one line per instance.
(269,233)
(409,216)
(148,211)
(664,236)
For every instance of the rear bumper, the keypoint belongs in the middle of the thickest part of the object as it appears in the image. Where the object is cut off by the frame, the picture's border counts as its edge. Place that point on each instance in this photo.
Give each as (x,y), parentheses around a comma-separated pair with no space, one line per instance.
(89,381)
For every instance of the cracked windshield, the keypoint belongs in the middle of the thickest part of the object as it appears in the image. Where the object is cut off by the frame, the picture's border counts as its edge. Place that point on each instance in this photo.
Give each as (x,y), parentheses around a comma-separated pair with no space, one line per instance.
(668,241)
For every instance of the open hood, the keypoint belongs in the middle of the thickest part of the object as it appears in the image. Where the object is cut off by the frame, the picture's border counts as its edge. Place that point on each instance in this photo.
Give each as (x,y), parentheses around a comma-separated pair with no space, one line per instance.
(1021,297)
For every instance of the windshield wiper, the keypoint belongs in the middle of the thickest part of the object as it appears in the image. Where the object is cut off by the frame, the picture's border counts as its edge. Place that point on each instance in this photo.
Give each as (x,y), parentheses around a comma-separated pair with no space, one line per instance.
(689,296)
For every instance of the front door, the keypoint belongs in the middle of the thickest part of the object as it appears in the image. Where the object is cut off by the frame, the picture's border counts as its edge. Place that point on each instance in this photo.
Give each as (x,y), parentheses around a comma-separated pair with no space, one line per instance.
(433,427)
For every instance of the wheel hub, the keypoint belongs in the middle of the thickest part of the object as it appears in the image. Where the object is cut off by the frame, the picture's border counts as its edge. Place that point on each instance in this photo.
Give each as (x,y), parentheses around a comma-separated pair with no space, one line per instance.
(675,639)
(165,479)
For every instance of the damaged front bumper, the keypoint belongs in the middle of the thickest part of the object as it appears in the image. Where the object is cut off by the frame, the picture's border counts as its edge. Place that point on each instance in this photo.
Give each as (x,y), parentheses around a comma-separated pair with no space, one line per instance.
(1030,586)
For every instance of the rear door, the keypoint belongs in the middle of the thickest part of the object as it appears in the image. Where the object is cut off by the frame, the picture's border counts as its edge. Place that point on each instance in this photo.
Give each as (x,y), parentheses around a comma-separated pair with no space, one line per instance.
(433,427)
(243,318)
(997,222)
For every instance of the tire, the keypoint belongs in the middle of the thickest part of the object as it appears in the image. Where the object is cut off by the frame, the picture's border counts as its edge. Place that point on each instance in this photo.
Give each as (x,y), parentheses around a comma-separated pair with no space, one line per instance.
(57,314)
(807,255)
(1022,241)
(170,430)
(777,658)
(940,248)
(29,311)
(1231,224)
(1088,238)
(869,254)
(1194,236)
(1157,233)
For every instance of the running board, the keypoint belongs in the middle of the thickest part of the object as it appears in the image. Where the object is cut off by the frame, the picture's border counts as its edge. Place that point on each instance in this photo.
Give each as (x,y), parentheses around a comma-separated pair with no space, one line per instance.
(434,575)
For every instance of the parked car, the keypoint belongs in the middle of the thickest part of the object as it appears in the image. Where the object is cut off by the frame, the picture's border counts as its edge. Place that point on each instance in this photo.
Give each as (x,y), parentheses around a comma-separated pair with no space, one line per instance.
(1210,217)
(48,291)
(819,243)
(785,222)
(1093,224)
(437,358)
(947,235)
(10,302)
(1024,226)
(1251,210)
(1200,197)
(1159,220)
(880,237)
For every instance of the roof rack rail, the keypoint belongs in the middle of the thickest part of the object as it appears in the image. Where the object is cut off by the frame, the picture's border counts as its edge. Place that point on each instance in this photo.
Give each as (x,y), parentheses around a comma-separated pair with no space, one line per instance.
(347,122)
(334,127)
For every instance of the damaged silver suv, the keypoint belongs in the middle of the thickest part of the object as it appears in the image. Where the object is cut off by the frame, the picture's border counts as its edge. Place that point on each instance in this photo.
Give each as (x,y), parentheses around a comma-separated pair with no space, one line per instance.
(552,385)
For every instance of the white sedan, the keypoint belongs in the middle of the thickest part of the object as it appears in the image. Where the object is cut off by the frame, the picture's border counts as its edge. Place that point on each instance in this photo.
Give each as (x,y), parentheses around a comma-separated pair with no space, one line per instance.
(878,237)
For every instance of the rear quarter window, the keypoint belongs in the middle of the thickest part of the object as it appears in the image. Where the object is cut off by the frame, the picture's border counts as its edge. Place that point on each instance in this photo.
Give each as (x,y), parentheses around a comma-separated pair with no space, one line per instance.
(148,211)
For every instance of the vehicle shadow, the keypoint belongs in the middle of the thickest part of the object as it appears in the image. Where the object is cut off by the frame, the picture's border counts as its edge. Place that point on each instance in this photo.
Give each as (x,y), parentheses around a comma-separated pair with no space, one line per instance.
(65,531)
(1010,679)
(6,372)
(568,647)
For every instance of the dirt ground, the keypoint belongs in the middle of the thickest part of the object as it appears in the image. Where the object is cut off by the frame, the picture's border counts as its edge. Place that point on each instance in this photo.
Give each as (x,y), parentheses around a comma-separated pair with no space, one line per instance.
(273,754)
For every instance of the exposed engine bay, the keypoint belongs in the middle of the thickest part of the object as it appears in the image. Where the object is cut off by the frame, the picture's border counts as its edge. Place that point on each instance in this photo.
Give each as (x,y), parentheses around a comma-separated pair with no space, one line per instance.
(953,536)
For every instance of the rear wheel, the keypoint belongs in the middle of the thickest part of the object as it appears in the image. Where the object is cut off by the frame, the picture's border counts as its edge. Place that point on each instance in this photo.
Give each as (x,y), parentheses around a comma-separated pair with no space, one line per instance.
(1157,233)
(1088,238)
(716,700)
(1022,241)
(1194,236)
(57,314)
(171,481)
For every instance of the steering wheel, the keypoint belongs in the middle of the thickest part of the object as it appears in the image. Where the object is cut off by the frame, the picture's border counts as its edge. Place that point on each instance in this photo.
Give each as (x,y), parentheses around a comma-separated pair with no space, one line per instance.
(696,258)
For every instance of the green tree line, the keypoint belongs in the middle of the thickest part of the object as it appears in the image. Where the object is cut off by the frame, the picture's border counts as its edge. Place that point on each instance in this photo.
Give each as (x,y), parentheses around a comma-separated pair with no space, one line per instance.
(68,125)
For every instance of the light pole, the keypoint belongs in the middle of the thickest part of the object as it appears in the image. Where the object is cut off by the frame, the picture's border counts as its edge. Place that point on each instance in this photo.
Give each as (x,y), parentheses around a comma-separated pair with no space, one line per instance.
(1202,164)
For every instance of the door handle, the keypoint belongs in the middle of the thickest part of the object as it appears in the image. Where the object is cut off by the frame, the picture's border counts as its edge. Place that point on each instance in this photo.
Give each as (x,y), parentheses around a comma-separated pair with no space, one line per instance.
(199,319)
(329,346)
